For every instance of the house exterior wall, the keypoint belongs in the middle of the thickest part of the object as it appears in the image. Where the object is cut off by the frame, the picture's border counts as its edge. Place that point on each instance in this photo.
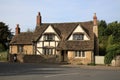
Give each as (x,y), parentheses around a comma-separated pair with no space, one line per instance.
(78,60)
(42,43)
(13,49)
(70,55)
(27,49)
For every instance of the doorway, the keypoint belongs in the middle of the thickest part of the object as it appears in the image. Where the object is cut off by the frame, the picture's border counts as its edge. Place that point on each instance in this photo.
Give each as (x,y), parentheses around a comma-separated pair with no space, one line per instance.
(64,57)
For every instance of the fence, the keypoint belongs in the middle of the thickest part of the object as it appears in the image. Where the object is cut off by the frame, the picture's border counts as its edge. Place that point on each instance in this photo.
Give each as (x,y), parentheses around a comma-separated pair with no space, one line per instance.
(99,59)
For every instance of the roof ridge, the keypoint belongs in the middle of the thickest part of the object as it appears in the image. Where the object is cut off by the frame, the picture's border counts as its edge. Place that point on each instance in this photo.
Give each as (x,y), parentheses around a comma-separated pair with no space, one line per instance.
(66,22)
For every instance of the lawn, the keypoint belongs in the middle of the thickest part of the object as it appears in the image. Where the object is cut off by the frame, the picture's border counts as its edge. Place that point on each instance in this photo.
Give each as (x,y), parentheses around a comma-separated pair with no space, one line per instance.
(3,56)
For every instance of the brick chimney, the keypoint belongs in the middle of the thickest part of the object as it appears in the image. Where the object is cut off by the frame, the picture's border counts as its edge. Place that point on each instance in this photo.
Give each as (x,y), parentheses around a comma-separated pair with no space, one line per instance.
(95,30)
(17,29)
(38,21)
(95,19)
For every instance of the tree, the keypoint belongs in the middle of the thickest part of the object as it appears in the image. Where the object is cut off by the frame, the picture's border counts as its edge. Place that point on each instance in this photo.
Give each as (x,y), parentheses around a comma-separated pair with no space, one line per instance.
(112,52)
(113,44)
(4,34)
(102,25)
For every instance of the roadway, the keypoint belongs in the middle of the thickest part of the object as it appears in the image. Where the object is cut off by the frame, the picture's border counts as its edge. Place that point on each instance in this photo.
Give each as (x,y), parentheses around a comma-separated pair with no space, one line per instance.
(30,71)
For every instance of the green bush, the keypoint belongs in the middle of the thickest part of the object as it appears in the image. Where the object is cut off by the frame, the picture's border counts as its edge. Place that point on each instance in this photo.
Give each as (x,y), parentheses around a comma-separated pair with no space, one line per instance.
(108,58)
(91,64)
(112,52)
(1,47)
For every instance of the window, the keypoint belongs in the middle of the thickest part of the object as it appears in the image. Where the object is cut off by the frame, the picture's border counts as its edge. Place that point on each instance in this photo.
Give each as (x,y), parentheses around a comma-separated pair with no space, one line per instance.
(78,36)
(49,37)
(80,54)
(20,48)
(47,51)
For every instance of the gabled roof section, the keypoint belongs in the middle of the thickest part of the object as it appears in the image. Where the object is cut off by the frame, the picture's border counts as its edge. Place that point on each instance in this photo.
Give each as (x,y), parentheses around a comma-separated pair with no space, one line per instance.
(88,27)
(22,38)
(38,31)
(64,30)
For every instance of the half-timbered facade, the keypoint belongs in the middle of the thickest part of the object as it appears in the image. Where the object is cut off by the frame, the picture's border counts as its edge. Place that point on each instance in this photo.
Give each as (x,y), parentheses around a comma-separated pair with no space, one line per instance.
(73,42)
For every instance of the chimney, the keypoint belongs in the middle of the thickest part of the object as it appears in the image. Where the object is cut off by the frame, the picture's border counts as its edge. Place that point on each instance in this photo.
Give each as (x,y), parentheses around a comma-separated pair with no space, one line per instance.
(95,19)
(17,30)
(38,22)
(95,30)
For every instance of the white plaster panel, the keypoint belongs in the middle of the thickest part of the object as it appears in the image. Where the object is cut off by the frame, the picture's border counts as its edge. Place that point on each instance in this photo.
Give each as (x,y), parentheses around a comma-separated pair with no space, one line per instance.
(46,44)
(39,44)
(49,29)
(52,44)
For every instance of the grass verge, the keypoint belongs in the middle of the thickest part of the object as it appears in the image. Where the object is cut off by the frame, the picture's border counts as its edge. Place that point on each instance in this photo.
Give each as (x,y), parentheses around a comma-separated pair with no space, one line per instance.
(3,56)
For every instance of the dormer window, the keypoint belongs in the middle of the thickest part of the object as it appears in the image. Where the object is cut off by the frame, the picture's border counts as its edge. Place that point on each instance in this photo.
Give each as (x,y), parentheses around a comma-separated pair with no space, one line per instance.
(49,37)
(78,36)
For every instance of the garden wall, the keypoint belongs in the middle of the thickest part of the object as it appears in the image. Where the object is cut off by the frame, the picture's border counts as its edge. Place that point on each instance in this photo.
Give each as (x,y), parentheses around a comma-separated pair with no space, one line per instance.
(35,58)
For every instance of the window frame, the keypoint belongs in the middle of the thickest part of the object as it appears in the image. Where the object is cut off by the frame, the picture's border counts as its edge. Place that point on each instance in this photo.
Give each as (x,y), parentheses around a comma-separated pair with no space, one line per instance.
(20,48)
(49,37)
(80,54)
(48,51)
(78,36)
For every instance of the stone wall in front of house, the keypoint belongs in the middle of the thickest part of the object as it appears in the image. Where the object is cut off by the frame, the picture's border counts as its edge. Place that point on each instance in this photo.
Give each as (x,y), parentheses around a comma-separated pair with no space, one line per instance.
(22,58)
(73,60)
(41,59)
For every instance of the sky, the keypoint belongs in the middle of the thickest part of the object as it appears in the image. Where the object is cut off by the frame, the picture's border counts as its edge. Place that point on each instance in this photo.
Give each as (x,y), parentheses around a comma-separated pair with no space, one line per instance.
(24,12)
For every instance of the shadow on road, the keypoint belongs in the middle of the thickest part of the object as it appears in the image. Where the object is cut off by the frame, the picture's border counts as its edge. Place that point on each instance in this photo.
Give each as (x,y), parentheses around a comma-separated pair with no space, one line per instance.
(12,69)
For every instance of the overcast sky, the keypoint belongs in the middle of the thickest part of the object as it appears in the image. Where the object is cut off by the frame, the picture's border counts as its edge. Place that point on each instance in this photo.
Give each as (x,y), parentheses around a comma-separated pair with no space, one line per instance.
(24,12)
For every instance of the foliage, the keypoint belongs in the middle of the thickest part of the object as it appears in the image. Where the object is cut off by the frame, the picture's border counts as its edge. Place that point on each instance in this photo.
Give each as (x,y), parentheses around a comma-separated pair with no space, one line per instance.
(113,45)
(4,34)
(101,29)
(102,25)
(1,47)
(109,40)
(112,52)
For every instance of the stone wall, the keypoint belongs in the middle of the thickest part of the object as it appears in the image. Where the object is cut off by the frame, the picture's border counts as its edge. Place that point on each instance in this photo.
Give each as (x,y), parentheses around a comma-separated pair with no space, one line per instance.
(86,60)
(35,58)
(27,49)
(13,49)
(117,61)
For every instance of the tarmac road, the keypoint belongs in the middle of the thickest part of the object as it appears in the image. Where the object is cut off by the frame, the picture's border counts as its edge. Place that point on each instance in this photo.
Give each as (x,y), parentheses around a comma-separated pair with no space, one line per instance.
(28,71)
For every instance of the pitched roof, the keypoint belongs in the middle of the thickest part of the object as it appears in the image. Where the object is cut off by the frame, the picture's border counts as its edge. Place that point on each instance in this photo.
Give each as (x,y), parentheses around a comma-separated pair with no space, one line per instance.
(64,29)
(22,38)
(76,45)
